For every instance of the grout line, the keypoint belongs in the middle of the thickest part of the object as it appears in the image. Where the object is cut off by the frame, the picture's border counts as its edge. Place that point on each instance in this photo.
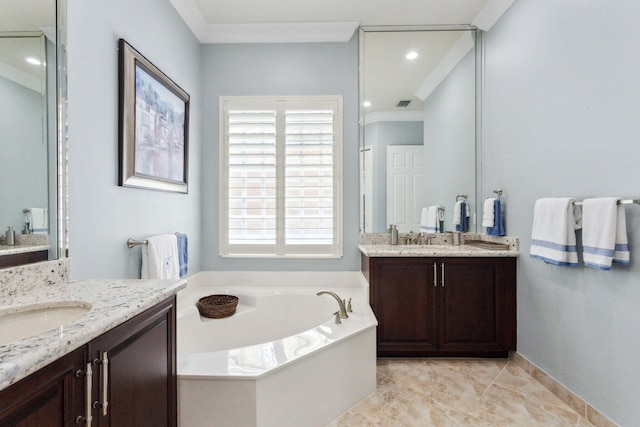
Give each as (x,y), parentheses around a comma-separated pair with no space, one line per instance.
(494,379)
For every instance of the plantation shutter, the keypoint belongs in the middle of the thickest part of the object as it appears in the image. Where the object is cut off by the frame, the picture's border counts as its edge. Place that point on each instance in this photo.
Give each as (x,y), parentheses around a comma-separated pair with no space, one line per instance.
(281,162)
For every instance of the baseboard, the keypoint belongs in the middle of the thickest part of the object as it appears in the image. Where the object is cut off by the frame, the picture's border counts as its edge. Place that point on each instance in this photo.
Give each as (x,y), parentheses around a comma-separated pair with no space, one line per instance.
(567,396)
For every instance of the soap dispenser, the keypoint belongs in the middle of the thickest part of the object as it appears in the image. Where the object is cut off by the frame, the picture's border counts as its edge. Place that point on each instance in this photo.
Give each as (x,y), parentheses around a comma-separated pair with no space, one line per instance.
(394,235)
(11,236)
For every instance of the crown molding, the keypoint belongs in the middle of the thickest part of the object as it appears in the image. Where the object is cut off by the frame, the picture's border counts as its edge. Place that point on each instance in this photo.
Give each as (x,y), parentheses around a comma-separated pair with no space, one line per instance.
(491,13)
(289,32)
(293,32)
(458,51)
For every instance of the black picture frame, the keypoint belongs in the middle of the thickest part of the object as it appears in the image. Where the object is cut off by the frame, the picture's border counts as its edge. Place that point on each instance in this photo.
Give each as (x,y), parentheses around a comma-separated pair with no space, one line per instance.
(153,131)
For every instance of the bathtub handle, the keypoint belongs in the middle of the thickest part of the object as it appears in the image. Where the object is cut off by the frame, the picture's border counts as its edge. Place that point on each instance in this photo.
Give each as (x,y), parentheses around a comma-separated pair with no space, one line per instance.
(337,314)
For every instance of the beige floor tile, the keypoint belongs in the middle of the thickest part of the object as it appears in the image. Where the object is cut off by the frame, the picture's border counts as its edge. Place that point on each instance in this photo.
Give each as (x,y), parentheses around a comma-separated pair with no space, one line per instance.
(519,410)
(458,392)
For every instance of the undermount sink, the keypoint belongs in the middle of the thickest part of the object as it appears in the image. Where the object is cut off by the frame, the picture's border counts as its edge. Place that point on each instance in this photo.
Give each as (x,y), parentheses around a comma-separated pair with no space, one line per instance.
(32,320)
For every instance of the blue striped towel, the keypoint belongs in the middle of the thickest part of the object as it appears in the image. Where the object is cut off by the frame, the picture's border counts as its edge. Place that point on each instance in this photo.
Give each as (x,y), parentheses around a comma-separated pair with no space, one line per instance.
(183,253)
(553,237)
(498,223)
(604,236)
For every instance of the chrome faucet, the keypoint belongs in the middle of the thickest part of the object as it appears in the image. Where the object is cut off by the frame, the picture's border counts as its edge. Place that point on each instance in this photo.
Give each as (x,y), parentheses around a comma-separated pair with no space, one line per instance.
(341,303)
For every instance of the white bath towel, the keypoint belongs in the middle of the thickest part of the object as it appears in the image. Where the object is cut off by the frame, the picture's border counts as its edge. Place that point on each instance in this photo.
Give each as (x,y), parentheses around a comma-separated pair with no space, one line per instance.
(431,219)
(488,212)
(38,220)
(160,258)
(604,236)
(553,237)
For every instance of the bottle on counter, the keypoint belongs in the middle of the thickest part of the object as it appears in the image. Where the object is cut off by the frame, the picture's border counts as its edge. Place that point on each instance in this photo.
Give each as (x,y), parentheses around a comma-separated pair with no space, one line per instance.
(11,236)
(394,235)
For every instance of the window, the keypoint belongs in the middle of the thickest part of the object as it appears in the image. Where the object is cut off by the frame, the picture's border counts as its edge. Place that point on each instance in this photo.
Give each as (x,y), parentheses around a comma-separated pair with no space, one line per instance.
(281,166)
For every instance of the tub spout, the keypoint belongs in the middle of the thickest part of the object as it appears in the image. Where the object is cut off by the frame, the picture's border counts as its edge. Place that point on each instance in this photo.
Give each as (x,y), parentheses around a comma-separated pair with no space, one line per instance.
(341,303)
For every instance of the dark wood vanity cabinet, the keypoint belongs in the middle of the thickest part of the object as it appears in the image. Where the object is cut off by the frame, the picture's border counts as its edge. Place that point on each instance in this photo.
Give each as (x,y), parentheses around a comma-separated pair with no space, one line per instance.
(133,371)
(443,306)
(53,396)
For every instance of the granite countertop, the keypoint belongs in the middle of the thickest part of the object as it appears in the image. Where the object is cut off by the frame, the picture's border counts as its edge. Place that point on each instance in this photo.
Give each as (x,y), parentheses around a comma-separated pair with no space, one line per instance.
(112,303)
(385,250)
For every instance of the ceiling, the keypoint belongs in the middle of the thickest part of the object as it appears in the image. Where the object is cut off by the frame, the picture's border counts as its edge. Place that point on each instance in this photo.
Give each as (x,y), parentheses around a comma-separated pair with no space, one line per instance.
(21,24)
(271,21)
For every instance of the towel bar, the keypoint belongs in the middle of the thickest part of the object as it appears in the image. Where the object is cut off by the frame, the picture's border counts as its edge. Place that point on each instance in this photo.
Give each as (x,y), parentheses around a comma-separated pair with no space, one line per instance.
(132,243)
(463,195)
(621,202)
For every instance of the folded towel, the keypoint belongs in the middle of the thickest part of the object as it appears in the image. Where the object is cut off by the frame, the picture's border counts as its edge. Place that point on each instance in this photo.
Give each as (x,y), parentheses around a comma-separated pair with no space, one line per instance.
(604,233)
(488,212)
(461,216)
(160,258)
(498,225)
(553,237)
(431,219)
(38,220)
(183,253)
(457,213)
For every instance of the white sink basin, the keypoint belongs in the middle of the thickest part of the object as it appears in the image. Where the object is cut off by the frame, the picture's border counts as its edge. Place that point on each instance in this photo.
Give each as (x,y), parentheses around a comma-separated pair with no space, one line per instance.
(33,320)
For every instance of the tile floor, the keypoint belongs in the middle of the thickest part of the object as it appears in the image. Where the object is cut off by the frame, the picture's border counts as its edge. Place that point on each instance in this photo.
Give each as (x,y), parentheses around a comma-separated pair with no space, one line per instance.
(458,392)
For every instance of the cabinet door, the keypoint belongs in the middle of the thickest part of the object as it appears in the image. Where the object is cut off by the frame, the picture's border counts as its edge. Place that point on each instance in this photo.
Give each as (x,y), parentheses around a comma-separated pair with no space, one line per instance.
(403,292)
(477,304)
(51,397)
(135,371)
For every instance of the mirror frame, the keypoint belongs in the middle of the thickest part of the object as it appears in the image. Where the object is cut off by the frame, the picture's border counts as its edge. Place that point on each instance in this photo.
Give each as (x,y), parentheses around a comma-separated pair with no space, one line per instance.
(475,227)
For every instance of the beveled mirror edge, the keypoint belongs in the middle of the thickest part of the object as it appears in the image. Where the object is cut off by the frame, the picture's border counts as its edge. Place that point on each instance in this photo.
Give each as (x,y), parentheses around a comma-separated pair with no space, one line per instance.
(62,127)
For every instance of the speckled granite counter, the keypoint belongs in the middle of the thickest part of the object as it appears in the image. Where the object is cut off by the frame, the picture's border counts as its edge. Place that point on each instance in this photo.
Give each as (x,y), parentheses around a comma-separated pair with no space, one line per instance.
(112,303)
(20,249)
(432,251)
(377,245)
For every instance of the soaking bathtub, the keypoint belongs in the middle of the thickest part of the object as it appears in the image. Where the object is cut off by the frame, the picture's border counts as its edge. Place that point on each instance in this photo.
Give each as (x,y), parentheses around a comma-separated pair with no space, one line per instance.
(280,360)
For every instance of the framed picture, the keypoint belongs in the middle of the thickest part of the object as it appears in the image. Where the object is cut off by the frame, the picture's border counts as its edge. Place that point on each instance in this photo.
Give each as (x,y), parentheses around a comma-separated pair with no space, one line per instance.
(153,133)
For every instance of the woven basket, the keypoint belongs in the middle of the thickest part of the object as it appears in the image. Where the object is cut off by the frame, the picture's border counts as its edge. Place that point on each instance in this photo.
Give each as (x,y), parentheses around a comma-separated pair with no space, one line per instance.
(217,306)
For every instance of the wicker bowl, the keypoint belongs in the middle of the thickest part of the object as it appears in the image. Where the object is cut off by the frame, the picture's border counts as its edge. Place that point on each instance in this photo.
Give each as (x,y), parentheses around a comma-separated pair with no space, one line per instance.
(217,306)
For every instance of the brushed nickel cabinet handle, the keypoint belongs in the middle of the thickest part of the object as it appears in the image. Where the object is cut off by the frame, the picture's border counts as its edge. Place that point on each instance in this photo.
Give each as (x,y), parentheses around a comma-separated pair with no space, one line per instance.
(442,265)
(105,383)
(88,381)
(435,275)
(103,403)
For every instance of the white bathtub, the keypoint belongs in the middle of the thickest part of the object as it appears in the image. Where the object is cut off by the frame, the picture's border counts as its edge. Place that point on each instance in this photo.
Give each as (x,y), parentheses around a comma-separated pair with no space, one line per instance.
(280,360)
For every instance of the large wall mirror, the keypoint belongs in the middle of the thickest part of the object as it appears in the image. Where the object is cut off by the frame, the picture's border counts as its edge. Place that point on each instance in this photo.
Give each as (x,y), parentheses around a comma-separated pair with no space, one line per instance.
(418,126)
(32,125)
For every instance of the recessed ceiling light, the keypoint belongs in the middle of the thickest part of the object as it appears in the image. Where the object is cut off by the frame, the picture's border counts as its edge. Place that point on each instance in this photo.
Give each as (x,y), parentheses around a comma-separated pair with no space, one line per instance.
(412,55)
(366,104)
(33,61)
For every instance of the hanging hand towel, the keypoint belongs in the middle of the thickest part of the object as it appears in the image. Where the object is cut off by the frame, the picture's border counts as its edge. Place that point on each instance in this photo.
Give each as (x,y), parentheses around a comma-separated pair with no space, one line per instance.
(160,258)
(604,235)
(553,237)
(38,219)
(183,253)
(498,223)
(431,219)
(488,212)
(461,216)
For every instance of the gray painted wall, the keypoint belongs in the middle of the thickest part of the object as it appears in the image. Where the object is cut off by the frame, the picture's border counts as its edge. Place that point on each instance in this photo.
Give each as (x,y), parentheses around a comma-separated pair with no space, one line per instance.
(24,153)
(279,69)
(380,135)
(450,140)
(103,215)
(561,119)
